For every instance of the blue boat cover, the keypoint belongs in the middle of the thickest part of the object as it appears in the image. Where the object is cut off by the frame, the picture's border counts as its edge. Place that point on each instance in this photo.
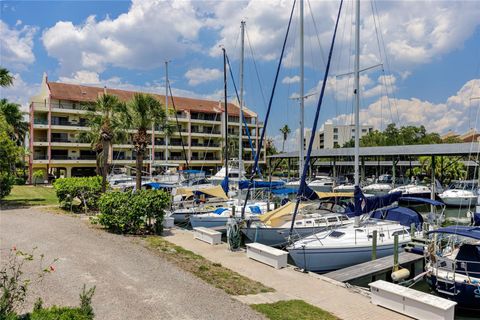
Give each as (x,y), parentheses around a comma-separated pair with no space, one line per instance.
(156,185)
(404,216)
(364,204)
(465,231)
(285,191)
(255,209)
(306,192)
(243,184)
(191,171)
(219,210)
(224,185)
(422,200)
(476,219)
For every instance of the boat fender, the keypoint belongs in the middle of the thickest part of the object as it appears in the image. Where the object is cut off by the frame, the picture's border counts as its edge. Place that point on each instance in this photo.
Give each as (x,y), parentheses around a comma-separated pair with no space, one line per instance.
(401,274)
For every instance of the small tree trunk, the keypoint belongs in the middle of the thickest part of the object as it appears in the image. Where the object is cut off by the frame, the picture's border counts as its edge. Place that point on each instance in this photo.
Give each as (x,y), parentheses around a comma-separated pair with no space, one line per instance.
(105,165)
(139,165)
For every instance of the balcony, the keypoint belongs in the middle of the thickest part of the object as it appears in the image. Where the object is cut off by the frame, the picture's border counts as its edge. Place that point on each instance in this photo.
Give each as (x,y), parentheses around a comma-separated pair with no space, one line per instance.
(205,145)
(40,121)
(205,130)
(206,117)
(40,157)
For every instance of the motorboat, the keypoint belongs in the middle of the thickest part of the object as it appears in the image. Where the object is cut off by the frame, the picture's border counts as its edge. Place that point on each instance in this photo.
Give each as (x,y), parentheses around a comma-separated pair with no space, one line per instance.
(323,184)
(452,262)
(234,174)
(381,186)
(461,193)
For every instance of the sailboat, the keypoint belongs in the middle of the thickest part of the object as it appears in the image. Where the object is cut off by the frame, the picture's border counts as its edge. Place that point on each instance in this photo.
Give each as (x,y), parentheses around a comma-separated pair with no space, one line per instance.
(352,244)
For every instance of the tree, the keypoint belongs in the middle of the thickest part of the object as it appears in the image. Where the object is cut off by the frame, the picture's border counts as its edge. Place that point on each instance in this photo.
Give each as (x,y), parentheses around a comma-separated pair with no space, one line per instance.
(6,79)
(106,120)
(14,117)
(446,168)
(9,154)
(285,130)
(270,147)
(143,111)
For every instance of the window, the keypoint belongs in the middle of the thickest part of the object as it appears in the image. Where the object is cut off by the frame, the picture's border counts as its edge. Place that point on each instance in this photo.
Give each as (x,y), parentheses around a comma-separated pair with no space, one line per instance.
(335,130)
(335,137)
(336,234)
(364,130)
(332,219)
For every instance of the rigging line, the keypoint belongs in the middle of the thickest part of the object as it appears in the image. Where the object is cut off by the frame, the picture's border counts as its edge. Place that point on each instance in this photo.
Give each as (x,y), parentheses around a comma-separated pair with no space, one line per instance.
(303,186)
(208,143)
(243,114)
(179,127)
(316,32)
(262,137)
(256,70)
(387,61)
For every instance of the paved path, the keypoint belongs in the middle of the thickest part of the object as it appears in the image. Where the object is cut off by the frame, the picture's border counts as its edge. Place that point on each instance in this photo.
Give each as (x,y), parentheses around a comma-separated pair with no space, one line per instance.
(132,282)
(314,289)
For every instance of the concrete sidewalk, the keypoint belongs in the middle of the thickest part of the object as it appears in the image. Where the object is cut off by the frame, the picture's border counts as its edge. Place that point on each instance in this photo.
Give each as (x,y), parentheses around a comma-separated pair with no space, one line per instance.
(290,284)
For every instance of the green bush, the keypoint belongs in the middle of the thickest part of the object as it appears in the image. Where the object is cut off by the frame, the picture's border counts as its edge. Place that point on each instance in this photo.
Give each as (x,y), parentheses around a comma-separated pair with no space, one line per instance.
(86,190)
(58,313)
(134,213)
(38,176)
(6,183)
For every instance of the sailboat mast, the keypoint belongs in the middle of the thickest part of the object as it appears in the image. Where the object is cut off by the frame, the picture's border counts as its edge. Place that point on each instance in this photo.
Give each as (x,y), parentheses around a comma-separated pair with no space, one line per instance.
(166,114)
(226,109)
(357,98)
(301,155)
(240,123)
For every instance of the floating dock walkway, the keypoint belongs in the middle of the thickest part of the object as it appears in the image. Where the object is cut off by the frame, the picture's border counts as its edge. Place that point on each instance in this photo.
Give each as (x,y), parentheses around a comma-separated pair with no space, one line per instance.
(372,268)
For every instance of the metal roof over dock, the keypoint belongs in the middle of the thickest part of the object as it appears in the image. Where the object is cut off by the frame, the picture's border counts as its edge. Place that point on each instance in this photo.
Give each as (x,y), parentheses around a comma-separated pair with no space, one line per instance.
(446,149)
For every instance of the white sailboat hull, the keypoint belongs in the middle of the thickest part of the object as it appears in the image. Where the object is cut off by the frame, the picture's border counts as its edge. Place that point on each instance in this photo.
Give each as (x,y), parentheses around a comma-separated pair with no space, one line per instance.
(323,260)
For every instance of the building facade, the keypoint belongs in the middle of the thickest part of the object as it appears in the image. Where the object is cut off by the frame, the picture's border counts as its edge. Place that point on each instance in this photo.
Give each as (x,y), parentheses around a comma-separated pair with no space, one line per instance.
(334,136)
(57,117)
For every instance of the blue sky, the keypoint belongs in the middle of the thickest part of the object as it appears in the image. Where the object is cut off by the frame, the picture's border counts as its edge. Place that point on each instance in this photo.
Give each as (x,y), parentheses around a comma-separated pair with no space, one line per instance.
(430,53)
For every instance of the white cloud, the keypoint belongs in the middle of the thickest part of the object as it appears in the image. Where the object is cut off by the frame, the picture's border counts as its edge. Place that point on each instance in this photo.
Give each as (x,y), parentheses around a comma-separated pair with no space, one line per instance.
(82,77)
(16,46)
(289,80)
(197,76)
(20,91)
(143,38)
(458,113)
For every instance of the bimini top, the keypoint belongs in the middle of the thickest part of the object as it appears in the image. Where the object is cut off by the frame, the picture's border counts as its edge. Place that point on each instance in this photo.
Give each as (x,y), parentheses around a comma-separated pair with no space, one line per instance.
(464,231)
(422,200)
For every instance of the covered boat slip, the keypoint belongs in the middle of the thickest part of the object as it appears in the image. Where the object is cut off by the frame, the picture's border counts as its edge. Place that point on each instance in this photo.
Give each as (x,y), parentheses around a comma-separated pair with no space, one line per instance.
(388,156)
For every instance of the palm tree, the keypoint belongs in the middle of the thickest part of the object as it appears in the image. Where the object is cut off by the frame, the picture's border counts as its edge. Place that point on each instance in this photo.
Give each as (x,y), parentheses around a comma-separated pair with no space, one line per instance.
(6,79)
(14,117)
(285,130)
(144,111)
(107,122)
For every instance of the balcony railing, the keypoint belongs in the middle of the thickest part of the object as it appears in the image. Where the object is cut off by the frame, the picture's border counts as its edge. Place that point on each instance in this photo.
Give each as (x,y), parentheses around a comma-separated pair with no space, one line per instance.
(177,143)
(205,158)
(40,157)
(211,145)
(68,123)
(203,116)
(40,139)
(206,131)
(40,121)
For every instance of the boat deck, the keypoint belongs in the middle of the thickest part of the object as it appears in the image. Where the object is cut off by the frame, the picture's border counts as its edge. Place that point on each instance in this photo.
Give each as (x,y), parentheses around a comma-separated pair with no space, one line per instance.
(372,267)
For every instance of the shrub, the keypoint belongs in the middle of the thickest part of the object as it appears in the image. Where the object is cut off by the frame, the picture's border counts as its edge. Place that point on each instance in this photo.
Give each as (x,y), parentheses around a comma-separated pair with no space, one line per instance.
(38,176)
(6,183)
(133,213)
(59,313)
(87,190)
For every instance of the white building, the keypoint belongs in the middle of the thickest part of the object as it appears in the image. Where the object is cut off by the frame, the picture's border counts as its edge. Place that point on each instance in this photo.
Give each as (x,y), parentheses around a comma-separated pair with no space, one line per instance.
(333,135)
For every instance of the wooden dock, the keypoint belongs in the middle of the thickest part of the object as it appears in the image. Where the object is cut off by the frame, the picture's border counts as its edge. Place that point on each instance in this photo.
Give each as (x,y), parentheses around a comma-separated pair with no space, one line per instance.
(372,267)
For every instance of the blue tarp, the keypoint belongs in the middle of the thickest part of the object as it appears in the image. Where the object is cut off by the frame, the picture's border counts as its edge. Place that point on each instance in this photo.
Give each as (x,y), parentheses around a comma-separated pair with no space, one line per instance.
(243,184)
(422,200)
(364,204)
(191,171)
(465,231)
(404,216)
(285,191)
(224,185)
(219,210)
(255,209)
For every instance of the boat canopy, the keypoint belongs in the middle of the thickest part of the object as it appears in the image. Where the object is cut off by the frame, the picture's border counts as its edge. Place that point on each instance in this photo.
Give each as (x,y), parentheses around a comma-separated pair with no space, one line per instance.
(274,217)
(464,231)
(216,191)
(327,195)
(244,184)
(156,186)
(186,192)
(404,216)
(422,200)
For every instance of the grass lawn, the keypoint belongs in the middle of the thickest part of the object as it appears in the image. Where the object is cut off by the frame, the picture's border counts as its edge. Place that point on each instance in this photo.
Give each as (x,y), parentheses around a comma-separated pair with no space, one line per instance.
(212,273)
(292,310)
(25,196)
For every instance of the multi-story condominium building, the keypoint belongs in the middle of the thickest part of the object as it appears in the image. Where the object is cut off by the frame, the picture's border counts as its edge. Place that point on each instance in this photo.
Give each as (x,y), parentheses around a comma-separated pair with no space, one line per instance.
(57,116)
(334,135)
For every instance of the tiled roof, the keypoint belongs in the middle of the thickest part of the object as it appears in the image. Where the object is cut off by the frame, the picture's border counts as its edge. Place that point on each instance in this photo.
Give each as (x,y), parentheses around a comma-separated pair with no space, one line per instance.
(75,92)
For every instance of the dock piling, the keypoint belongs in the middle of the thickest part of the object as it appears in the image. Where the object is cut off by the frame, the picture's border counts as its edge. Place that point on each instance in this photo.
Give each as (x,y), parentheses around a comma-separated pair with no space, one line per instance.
(374,244)
(395,252)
